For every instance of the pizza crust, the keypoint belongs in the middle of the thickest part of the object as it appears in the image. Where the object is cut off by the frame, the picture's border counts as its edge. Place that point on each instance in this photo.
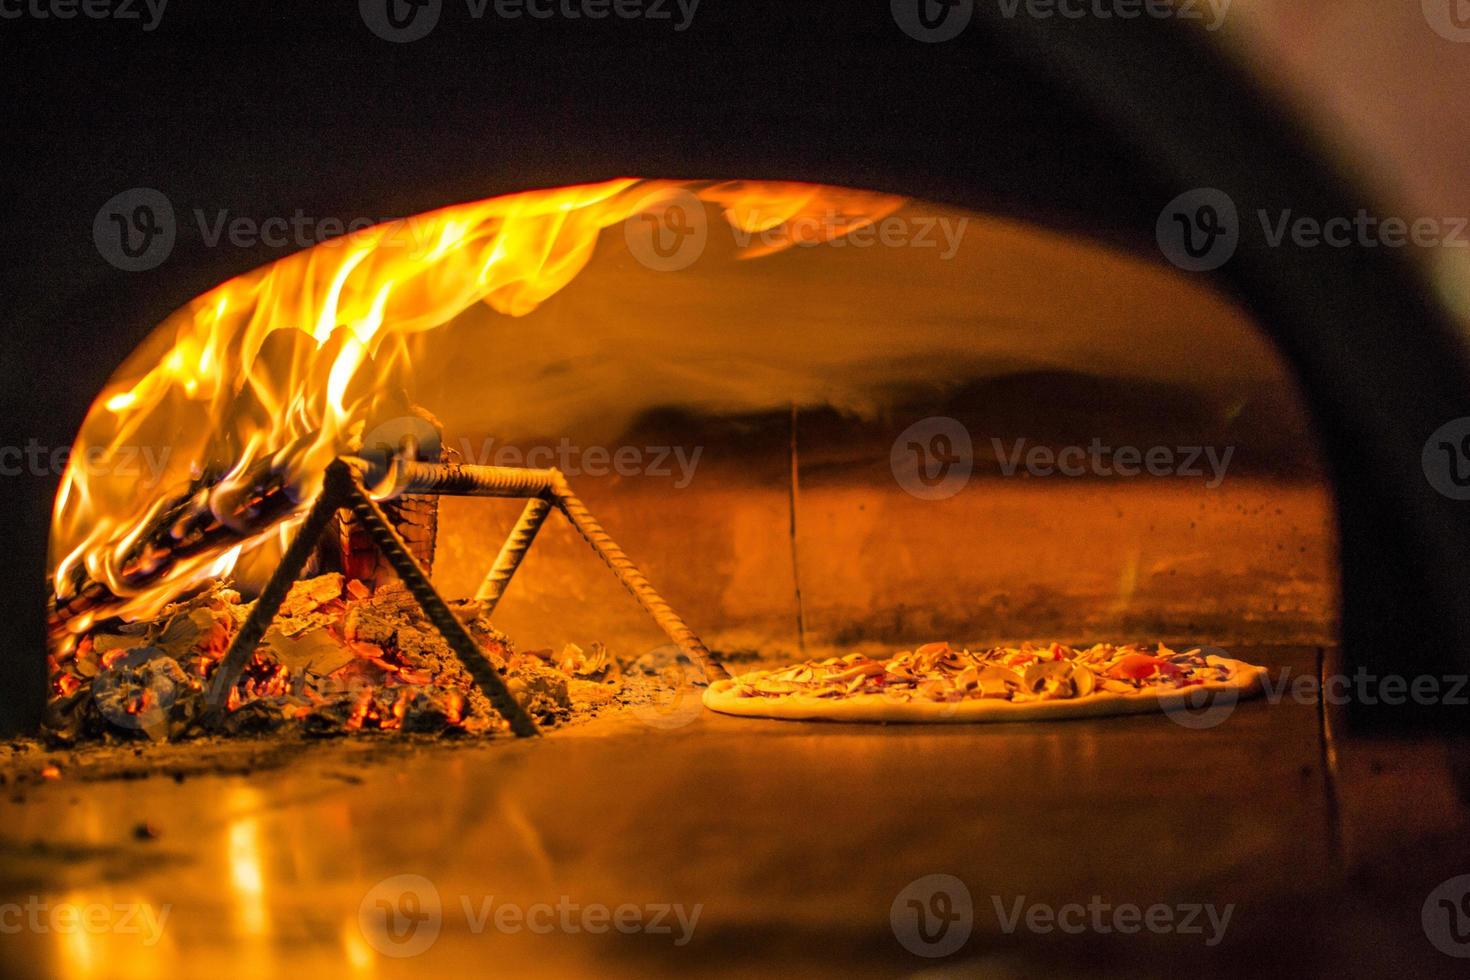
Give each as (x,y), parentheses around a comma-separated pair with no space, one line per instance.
(1245,681)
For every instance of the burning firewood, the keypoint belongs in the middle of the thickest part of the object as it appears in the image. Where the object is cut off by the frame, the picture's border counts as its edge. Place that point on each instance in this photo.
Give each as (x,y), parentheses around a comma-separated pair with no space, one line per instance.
(206,518)
(209,517)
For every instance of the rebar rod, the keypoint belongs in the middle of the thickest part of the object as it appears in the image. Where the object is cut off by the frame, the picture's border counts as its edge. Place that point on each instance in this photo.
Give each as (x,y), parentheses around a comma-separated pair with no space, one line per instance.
(458,480)
(634,581)
(417,581)
(512,553)
(253,629)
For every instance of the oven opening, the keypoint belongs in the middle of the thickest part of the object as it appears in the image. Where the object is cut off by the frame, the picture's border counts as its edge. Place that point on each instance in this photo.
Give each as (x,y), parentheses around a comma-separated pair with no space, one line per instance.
(516,464)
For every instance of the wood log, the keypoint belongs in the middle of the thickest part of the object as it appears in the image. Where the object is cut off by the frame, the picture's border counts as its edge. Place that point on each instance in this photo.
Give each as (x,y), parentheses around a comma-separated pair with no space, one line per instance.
(346,545)
(199,520)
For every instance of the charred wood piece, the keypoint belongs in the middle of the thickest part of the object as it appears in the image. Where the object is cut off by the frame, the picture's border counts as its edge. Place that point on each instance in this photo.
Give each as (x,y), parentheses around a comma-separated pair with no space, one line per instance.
(416,436)
(204,519)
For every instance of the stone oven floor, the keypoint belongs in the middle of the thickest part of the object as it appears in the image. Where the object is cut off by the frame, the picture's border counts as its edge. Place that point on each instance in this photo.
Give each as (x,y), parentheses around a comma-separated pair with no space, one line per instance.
(793,839)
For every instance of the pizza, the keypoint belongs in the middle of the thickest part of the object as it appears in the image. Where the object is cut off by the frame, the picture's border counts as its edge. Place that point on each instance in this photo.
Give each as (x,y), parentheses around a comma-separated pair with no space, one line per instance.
(942,683)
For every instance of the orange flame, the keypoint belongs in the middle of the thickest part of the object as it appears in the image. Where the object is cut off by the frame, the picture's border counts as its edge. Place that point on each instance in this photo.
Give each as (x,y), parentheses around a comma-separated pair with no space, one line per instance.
(283,365)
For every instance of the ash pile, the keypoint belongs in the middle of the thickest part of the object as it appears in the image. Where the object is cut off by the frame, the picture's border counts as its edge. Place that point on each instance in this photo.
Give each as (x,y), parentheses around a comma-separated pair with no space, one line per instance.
(342,656)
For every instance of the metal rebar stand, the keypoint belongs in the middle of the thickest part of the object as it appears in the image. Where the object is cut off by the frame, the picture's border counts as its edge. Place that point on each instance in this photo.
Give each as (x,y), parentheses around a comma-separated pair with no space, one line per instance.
(342,487)
(633,580)
(512,553)
(543,489)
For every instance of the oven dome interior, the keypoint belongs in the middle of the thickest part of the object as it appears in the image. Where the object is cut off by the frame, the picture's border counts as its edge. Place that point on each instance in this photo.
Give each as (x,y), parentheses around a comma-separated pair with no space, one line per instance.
(746,427)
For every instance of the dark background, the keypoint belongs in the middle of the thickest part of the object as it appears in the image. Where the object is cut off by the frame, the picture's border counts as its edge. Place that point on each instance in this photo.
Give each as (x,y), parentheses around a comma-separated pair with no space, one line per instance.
(262,109)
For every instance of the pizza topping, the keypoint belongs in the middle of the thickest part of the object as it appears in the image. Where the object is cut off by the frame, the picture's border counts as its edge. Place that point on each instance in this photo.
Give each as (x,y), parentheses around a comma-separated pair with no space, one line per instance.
(939,672)
(1134,667)
(998,682)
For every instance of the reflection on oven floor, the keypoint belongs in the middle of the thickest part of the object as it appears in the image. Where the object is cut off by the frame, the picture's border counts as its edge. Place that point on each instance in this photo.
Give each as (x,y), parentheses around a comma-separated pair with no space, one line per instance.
(678,842)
